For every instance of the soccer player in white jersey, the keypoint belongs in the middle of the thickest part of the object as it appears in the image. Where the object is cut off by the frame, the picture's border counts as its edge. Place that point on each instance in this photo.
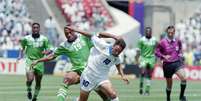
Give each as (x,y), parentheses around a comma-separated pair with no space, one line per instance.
(102,57)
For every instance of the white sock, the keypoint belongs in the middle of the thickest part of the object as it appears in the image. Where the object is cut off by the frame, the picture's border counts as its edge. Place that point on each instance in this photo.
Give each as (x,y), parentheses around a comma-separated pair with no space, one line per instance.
(115,99)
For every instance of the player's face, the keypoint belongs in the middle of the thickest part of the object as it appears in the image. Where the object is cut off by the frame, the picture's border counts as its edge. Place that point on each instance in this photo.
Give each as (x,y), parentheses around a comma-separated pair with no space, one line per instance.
(71,36)
(171,32)
(116,50)
(35,29)
(148,33)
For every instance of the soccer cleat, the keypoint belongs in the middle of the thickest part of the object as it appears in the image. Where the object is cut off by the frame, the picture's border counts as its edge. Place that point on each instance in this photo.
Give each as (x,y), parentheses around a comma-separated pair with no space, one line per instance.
(34,99)
(29,95)
(183,98)
(168,99)
(141,91)
(146,93)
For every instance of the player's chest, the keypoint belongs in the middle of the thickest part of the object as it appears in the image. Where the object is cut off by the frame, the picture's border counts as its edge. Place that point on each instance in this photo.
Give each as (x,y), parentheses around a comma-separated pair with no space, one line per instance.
(149,43)
(76,46)
(171,47)
(106,61)
(35,43)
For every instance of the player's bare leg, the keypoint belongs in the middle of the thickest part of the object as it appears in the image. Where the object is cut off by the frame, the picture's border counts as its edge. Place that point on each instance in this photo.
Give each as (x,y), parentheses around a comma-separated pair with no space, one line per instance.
(70,78)
(142,75)
(83,95)
(168,88)
(182,75)
(30,78)
(108,89)
(102,95)
(38,78)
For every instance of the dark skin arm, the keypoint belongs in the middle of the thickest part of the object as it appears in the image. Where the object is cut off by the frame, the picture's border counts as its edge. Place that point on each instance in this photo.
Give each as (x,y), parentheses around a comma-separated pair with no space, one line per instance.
(44,59)
(101,34)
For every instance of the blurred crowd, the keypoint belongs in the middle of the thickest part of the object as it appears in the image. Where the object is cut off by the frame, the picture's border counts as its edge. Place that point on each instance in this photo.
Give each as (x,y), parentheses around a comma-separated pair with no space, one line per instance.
(86,14)
(189,31)
(14,23)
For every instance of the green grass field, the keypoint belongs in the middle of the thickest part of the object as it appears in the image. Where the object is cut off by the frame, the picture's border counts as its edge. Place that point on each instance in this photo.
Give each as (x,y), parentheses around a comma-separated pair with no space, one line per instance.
(12,88)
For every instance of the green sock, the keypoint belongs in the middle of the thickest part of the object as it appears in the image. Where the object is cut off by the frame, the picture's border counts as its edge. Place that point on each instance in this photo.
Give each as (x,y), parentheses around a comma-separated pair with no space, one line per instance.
(141,81)
(148,83)
(62,93)
(28,84)
(36,92)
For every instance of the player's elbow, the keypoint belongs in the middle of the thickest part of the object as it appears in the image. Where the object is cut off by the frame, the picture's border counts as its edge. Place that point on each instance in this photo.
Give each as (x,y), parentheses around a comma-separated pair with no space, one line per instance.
(113,95)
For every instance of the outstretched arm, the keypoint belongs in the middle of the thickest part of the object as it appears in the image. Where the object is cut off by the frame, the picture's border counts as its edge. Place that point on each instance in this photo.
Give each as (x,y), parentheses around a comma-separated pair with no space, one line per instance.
(120,70)
(101,34)
(44,59)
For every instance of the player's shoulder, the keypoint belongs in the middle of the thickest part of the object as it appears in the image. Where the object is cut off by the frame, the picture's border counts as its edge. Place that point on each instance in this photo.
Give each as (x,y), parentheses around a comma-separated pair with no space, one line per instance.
(27,37)
(43,37)
(142,38)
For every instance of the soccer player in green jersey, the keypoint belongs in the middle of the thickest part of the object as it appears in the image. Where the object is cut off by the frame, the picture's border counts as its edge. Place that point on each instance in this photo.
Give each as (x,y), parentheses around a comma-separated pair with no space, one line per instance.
(34,46)
(145,55)
(77,48)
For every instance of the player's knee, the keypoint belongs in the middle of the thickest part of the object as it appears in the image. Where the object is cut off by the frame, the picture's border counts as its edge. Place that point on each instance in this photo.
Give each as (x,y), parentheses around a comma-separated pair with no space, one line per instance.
(113,95)
(183,81)
(69,80)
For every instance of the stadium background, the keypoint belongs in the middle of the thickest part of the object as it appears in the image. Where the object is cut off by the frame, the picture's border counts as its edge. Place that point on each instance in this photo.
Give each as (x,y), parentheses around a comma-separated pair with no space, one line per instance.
(122,17)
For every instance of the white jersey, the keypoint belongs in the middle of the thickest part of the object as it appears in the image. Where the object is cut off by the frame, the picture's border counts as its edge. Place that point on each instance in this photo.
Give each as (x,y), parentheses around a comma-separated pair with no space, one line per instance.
(101,59)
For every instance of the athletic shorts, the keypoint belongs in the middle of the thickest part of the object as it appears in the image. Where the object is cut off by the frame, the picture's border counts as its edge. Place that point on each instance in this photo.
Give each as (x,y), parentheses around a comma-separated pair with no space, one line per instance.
(89,83)
(171,68)
(38,68)
(147,62)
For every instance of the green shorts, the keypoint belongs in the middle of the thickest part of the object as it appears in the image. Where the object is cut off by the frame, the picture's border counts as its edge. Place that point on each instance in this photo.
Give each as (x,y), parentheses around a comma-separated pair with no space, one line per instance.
(38,68)
(144,62)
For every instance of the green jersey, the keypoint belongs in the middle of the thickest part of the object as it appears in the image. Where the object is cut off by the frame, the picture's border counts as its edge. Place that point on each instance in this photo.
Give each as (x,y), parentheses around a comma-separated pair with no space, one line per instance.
(34,47)
(147,47)
(77,51)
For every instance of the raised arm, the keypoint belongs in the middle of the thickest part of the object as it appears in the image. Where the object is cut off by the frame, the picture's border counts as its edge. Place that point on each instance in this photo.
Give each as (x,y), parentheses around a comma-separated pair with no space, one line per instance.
(80,31)
(120,71)
(101,34)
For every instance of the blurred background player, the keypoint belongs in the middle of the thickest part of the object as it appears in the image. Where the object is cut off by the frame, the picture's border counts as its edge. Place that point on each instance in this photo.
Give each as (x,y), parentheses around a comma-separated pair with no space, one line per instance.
(34,46)
(102,57)
(169,50)
(146,59)
(77,48)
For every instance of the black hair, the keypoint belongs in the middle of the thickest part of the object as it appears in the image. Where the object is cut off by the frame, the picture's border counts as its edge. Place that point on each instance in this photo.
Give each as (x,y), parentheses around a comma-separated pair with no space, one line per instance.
(148,28)
(120,42)
(35,23)
(170,27)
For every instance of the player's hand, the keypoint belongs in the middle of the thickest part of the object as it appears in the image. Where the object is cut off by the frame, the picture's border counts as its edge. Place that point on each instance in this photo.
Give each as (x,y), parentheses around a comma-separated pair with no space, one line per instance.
(18,59)
(69,28)
(33,64)
(125,80)
(167,57)
(46,52)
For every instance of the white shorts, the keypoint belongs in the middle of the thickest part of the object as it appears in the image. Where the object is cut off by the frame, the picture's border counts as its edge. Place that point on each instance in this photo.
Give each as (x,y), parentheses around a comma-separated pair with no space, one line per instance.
(89,83)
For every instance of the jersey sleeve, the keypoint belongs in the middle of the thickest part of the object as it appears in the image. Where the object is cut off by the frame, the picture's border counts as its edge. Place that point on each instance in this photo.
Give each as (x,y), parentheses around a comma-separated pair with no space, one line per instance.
(98,43)
(118,61)
(60,50)
(23,42)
